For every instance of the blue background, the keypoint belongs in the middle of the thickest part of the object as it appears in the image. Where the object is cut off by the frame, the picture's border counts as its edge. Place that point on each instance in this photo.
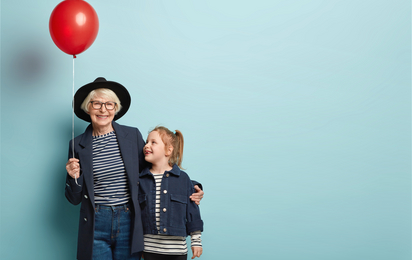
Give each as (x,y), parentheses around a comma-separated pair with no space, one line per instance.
(296,117)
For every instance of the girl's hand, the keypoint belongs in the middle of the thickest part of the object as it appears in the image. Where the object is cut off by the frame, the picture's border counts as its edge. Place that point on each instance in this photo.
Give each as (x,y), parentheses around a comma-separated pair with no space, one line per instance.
(197,251)
(197,196)
(73,168)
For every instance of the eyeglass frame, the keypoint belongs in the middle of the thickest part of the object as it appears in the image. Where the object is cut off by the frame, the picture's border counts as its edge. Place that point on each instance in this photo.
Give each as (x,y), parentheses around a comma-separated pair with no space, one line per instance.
(103,103)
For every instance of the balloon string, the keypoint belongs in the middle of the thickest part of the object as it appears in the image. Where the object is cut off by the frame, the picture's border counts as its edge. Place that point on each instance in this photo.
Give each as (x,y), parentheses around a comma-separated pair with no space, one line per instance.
(75,178)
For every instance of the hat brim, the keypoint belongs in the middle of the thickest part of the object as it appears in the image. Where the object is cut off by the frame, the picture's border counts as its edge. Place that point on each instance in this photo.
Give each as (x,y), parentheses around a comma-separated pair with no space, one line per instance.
(117,88)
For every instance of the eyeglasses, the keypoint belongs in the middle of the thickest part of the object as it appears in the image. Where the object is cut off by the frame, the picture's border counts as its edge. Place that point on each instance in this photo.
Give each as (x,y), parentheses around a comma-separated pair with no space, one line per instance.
(109,105)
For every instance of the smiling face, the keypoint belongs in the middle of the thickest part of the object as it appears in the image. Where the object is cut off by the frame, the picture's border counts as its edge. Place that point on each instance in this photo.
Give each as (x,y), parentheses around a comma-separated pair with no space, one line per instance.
(101,118)
(154,150)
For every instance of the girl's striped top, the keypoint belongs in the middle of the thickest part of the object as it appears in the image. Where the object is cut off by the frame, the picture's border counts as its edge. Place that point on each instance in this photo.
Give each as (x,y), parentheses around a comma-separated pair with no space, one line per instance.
(163,244)
(110,180)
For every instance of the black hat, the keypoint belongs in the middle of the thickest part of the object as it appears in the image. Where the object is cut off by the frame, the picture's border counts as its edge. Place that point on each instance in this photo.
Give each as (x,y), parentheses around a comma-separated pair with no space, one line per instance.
(101,82)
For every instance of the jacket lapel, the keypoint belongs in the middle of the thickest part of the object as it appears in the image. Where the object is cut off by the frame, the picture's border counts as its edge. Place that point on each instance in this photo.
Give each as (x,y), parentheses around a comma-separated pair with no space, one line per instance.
(126,149)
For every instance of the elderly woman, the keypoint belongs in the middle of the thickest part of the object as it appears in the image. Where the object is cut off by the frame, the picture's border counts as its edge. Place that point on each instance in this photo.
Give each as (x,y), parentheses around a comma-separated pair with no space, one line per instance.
(103,169)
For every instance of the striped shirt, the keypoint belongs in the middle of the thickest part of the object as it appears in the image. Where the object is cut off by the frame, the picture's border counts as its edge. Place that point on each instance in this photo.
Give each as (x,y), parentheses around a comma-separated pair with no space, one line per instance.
(163,244)
(110,181)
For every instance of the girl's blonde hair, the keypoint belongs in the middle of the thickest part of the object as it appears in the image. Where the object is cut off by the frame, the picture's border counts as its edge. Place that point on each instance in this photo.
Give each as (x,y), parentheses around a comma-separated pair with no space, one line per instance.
(105,92)
(172,139)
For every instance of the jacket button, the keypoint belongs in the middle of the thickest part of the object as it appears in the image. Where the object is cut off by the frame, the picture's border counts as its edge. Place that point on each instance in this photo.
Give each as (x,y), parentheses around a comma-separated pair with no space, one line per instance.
(164,209)
(85,196)
(165,191)
(85,219)
(164,230)
(167,175)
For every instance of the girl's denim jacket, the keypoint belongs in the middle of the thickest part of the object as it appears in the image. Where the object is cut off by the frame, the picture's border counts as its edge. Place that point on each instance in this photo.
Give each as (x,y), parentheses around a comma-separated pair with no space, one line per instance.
(179,215)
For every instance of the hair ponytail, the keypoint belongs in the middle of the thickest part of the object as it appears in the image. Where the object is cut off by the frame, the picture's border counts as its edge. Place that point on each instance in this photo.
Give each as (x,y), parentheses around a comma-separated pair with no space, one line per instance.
(179,148)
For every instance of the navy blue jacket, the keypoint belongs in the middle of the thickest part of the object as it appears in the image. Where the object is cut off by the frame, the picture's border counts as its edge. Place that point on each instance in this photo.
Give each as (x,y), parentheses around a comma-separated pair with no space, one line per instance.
(131,147)
(178,214)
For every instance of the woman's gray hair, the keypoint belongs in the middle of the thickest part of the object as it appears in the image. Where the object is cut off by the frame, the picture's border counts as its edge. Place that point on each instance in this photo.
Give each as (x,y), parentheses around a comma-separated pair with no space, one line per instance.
(104,92)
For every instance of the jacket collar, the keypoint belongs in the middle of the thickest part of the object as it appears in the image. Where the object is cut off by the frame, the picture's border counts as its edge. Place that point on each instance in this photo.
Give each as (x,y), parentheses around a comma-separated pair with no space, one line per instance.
(87,137)
(119,131)
(175,171)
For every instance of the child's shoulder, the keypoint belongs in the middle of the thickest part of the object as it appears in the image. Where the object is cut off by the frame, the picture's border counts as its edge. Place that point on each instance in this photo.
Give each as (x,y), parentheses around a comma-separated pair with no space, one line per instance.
(183,173)
(180,171)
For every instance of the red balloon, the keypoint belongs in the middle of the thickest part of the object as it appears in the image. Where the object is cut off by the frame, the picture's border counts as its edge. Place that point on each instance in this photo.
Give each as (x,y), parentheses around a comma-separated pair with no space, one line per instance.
(73,26)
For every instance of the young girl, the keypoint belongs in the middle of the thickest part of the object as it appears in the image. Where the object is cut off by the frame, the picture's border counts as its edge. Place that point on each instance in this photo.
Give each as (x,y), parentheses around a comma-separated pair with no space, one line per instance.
(168,214)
